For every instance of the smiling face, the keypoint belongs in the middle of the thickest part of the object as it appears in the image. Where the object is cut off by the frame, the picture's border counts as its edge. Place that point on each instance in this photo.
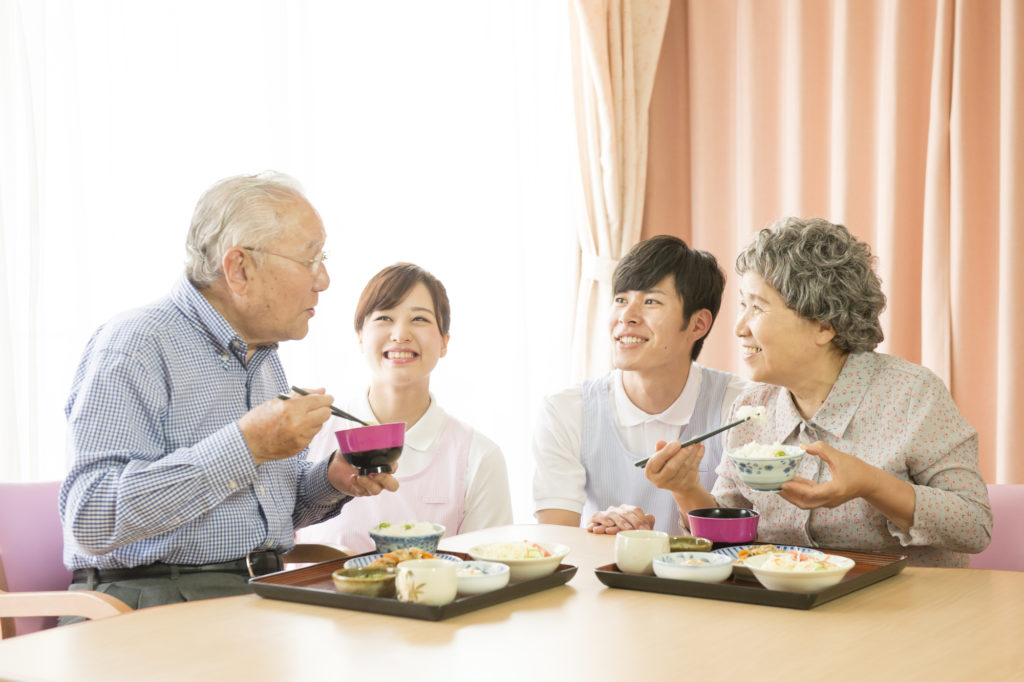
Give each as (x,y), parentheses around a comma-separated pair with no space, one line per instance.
(777,344)
(403,344)
(647,330)
(283,293)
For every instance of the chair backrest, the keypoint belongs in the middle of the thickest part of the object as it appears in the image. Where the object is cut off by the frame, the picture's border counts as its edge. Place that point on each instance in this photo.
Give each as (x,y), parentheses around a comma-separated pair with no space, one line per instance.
(31,544)
(1006,550)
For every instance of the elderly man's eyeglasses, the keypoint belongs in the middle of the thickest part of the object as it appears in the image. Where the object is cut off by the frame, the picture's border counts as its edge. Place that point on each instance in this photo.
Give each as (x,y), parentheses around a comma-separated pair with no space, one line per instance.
(315,263)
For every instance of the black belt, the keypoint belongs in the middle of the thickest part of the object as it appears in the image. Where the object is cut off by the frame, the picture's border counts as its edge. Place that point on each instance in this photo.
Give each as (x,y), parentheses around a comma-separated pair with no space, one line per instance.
(252,565)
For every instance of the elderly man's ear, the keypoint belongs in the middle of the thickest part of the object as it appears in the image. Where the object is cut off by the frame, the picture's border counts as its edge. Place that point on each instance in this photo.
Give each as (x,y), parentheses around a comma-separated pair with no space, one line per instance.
(237,268)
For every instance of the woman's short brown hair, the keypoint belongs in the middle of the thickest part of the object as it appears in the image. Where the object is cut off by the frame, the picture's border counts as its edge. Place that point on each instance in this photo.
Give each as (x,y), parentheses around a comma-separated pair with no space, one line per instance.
(391,285)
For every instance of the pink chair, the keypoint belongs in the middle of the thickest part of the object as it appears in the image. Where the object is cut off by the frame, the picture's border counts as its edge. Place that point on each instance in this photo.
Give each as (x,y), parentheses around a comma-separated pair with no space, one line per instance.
(1007,548)
(33,579)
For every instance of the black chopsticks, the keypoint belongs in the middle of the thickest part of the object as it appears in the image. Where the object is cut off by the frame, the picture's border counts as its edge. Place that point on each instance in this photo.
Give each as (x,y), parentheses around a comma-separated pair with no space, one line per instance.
(334,410)
(643,462)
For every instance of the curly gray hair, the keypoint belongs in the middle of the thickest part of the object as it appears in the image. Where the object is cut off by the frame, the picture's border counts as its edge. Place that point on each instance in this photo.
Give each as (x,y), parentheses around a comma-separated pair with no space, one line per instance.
(823,274)
(243,210)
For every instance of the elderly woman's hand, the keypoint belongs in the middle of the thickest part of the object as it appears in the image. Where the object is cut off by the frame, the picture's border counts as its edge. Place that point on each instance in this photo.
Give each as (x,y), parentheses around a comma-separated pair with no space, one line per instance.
(851,478)
(623,517)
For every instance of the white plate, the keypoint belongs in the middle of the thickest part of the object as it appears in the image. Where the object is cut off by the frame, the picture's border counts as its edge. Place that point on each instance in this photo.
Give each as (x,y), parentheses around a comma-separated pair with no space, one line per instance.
(360,561)
(741,571)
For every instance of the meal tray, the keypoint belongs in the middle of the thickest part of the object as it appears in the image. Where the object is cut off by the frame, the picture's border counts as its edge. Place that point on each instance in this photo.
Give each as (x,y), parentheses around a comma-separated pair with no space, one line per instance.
(868,569)
(313,585)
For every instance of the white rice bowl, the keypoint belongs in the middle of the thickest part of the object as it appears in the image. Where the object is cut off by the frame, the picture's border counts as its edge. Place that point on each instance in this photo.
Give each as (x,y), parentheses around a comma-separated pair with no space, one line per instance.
(766,467)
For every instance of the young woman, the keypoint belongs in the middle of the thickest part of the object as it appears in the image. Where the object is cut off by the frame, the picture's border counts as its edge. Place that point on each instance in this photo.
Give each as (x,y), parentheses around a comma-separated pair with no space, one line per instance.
(448,473)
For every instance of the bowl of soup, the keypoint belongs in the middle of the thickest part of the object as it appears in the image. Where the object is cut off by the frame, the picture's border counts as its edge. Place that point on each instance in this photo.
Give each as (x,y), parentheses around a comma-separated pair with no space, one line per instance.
(724,524)
(372,449)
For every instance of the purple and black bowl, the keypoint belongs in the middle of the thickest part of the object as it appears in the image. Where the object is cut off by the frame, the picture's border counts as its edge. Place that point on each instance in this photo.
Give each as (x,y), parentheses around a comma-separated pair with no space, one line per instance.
(372,449)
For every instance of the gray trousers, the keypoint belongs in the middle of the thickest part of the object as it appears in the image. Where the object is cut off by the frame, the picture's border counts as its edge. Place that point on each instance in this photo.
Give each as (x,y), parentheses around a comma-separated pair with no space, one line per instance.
(140,593)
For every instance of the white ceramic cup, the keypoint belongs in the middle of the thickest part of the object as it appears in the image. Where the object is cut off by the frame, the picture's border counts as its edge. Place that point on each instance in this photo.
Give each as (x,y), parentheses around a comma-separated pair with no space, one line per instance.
(635,550)
(426,581)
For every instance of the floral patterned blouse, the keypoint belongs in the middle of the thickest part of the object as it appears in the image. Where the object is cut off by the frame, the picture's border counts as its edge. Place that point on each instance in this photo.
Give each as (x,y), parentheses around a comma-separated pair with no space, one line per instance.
(897,416)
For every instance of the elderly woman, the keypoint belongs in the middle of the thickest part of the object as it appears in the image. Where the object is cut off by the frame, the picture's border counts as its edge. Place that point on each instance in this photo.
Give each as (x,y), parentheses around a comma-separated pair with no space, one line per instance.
(893,465)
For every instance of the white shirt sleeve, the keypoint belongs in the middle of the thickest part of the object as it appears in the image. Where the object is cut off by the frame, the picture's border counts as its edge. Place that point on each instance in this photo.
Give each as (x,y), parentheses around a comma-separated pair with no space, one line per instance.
(559,480)
(488,500)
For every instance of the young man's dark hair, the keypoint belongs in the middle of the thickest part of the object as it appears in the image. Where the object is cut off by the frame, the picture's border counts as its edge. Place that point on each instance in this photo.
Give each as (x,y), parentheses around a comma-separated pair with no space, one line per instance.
(698,277)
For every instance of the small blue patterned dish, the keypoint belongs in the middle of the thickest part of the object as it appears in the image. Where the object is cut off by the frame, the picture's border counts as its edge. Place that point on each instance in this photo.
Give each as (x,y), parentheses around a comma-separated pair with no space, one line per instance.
(367,559)
(701,567)
(477,577)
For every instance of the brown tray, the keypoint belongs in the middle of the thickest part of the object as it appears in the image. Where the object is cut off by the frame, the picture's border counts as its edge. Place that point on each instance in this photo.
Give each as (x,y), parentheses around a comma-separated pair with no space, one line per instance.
(868,569)
(313,585)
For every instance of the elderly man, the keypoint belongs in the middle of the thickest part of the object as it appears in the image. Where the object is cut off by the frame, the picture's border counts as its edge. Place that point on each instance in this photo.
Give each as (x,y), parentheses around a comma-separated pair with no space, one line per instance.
(185,481)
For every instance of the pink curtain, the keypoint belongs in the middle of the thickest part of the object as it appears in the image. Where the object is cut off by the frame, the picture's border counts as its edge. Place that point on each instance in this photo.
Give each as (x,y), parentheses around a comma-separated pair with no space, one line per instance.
(901,120)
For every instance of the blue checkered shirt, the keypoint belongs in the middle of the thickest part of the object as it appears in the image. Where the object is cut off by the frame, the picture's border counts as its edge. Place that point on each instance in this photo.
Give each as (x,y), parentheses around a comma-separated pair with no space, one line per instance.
(160,471)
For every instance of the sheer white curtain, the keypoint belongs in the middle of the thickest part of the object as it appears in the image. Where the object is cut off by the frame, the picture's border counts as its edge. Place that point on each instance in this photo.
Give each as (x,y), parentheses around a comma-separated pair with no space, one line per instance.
(438,133)
(614,58)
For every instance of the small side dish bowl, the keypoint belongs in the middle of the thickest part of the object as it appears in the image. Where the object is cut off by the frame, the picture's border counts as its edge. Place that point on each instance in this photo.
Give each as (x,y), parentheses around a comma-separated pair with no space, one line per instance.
(688,543)
(804,573)
(724,524)
(766,467)
(392,536)
(478,577)
(369,582)
(372,449)
(526,560)
(702,567)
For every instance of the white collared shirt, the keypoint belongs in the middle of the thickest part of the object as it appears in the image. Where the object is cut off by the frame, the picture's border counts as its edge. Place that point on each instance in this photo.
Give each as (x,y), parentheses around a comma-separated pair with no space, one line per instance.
(560,479)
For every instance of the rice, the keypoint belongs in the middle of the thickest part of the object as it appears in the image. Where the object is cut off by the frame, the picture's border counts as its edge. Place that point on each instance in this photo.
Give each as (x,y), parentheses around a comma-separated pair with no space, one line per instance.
(405,529)
(755,413)
(754,450)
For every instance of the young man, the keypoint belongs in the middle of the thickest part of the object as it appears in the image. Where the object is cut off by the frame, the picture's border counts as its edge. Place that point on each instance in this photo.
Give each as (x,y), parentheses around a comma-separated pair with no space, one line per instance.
(588,437)
(184,478)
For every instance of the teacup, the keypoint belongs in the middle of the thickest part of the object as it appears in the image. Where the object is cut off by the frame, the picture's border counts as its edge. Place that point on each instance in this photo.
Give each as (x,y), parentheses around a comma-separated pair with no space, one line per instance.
(635,550)
(426,581)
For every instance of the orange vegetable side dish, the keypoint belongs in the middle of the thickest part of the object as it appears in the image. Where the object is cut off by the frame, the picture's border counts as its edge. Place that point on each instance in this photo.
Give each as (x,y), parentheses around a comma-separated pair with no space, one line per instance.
(392,559)
(748,552)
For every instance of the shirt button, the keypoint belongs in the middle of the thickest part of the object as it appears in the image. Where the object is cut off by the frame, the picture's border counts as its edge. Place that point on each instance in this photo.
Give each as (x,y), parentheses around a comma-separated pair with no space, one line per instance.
(232,485)
(262,489)
(224,357)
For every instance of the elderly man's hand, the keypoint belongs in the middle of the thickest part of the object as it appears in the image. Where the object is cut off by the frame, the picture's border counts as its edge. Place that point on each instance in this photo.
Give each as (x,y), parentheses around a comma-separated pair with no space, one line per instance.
(346,479)
(623,517)
(279,429)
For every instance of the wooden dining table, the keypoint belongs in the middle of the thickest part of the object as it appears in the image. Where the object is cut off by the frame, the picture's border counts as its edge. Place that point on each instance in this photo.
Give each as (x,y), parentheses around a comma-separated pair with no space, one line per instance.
(923,623)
